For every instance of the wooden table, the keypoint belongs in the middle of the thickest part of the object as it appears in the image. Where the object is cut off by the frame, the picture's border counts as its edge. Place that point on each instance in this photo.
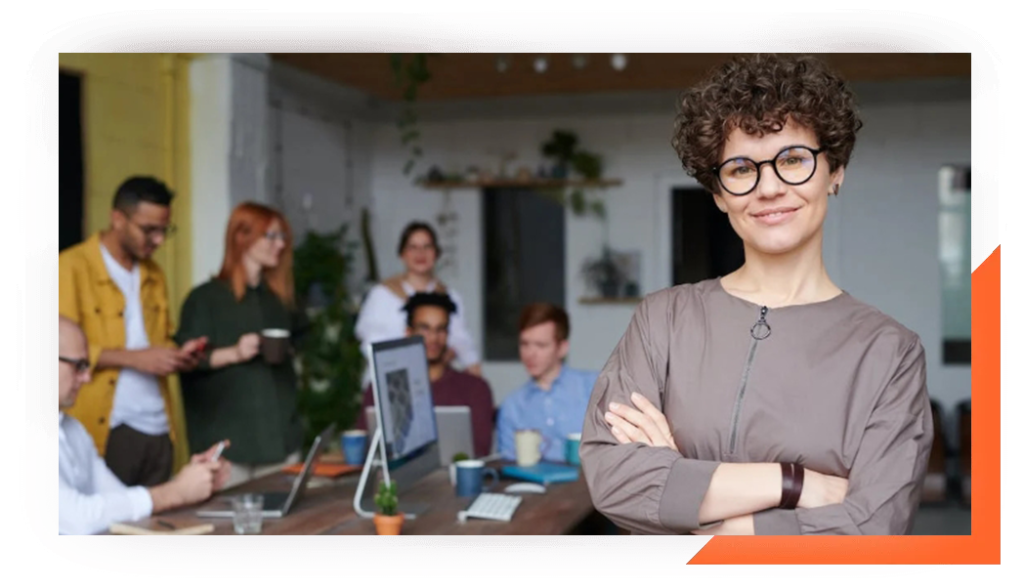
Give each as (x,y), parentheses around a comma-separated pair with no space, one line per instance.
(556,512)
(326,508)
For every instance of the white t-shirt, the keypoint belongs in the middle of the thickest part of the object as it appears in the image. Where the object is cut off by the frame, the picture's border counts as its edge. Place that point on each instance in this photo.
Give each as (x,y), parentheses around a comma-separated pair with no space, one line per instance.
(137,399)
(381,318)
(90,496)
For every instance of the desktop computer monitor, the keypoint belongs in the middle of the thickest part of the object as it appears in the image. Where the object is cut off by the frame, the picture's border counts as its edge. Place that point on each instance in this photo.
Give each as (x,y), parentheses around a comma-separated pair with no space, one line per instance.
(401,390)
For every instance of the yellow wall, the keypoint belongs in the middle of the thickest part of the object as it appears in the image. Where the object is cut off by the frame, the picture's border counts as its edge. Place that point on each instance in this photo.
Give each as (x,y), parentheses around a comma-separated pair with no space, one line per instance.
(135,122)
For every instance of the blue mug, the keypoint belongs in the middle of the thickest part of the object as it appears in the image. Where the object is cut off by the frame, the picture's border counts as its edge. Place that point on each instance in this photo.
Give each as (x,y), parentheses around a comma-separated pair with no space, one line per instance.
(353,444)
(469,477)
(572,449)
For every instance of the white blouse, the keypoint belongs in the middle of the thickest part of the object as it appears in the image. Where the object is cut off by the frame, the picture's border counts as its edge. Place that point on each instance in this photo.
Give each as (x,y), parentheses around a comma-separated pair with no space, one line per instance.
(381,318)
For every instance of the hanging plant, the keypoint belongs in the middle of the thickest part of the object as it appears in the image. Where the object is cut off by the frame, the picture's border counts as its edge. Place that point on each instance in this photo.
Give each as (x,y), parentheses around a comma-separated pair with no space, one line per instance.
(410,73)
(372,275)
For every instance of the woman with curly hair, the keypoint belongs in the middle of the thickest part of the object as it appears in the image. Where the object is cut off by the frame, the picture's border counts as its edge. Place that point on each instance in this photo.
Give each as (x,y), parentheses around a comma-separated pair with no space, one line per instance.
(767,401)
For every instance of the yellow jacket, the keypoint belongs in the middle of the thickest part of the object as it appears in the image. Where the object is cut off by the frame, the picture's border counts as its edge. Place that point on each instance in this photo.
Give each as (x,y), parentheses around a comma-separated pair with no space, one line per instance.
(90,298)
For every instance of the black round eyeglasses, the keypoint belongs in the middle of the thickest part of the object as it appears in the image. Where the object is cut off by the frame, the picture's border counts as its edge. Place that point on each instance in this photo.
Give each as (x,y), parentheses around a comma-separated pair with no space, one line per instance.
(81,366)
(793,165)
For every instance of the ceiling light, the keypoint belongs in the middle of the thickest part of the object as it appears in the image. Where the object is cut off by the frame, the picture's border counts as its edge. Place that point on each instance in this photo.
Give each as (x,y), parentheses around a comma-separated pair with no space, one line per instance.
(619,61)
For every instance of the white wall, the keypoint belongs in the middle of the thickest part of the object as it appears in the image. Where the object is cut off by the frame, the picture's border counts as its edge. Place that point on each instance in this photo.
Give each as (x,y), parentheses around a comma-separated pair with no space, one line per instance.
(320,136)
(881,233)
(229,159)
(882,241)
(210,115)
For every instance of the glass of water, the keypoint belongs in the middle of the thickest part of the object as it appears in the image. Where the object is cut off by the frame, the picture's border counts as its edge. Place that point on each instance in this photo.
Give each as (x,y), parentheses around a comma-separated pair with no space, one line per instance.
(248,513)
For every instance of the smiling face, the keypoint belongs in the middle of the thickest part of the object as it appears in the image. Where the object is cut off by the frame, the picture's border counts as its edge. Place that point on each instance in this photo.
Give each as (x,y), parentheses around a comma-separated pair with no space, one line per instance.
(419,253)
(777,218)
(431,322)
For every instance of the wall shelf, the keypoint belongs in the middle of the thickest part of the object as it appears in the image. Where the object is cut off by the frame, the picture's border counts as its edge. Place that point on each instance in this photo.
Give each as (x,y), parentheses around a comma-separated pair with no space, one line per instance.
(596,300)
(514,183)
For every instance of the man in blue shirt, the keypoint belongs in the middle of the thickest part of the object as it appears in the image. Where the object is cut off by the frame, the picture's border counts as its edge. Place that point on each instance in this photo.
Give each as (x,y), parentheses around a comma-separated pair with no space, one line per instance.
(555,399)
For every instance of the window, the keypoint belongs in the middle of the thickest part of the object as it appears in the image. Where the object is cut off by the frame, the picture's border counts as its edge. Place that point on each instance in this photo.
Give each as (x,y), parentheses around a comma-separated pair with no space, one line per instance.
(524,262)
(704,245)
(955,262)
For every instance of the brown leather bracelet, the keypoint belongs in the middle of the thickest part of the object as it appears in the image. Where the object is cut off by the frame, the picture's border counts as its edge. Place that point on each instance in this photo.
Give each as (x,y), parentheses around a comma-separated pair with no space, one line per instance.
(787,484)
(798,483)
(792,485)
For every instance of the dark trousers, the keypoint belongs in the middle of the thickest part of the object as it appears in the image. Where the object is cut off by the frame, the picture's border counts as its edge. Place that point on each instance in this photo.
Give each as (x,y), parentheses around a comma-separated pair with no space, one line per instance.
(138,459)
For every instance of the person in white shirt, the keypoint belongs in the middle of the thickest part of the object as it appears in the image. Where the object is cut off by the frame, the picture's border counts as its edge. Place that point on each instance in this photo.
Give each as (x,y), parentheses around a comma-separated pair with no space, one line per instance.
(91,497)
(382,318)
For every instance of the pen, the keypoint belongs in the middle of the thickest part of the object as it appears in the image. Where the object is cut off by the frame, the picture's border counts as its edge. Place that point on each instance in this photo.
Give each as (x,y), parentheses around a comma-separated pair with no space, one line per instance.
(165,524)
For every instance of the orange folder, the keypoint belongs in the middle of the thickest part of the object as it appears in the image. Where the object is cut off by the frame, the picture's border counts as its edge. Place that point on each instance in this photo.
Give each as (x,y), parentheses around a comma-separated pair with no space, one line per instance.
(326,470)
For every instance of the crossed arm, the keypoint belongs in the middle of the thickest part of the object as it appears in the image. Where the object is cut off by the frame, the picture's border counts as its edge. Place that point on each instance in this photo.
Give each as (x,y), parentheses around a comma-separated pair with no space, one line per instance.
(639,479)
(737,490)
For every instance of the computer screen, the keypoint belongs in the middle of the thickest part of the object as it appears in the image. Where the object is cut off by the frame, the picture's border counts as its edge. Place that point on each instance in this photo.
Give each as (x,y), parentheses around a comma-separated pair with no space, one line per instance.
(402,391)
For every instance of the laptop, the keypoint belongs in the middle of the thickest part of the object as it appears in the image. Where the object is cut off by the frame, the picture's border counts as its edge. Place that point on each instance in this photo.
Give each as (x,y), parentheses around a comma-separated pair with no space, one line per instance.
(454,430)
(277,504)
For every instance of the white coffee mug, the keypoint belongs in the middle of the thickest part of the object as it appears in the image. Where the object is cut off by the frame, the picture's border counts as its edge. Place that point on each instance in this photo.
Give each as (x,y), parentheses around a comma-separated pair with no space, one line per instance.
(530,445)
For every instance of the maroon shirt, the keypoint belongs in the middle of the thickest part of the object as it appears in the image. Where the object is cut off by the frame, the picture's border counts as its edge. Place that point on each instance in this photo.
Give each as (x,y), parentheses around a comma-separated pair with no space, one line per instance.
(457,389)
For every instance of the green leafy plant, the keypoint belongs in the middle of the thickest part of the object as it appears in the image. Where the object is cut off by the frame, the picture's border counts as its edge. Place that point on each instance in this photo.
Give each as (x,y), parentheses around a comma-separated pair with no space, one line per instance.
(459,457)
(329,362)
(587,164)
(386,498)
(410,74)
(561,148)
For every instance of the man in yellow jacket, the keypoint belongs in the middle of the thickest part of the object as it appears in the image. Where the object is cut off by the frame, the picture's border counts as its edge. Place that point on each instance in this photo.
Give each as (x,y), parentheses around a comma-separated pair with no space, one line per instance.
(111,287)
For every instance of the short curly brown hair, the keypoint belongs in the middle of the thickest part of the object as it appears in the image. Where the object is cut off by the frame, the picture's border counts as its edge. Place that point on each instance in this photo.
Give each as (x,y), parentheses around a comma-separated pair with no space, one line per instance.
(757,93)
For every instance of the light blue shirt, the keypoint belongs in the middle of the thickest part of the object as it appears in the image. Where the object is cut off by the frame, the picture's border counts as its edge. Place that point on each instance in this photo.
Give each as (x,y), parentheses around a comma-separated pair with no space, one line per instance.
(556,413)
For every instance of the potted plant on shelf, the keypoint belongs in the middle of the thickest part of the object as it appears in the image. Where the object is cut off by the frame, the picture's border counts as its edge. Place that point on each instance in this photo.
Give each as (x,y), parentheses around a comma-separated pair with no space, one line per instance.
(561,148)
(603,275)
(388,520)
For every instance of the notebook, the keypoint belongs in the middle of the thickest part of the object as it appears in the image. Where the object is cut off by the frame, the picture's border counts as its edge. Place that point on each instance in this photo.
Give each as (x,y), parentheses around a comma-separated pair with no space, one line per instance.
(139,529)
(542,473)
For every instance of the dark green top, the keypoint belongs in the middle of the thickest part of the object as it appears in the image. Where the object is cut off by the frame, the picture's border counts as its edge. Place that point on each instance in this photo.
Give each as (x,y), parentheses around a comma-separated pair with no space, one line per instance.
(252,403)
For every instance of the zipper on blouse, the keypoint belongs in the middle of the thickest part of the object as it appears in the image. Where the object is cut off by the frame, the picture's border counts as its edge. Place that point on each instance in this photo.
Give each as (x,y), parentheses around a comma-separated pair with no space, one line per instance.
(760,331)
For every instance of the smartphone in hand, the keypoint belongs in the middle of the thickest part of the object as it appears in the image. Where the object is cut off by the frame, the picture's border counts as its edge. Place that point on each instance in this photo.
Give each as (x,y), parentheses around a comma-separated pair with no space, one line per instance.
(220,450)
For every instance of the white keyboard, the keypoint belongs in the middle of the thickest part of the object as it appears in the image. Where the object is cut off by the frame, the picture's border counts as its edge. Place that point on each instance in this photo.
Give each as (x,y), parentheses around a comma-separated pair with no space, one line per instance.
(496,507)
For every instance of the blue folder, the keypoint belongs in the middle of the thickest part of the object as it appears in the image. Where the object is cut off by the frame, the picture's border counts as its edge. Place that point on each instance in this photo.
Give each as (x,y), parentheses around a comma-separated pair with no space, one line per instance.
(542,473)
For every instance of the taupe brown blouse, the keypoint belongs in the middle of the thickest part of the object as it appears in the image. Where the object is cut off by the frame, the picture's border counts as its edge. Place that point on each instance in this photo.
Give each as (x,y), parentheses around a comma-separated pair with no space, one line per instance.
(836,386)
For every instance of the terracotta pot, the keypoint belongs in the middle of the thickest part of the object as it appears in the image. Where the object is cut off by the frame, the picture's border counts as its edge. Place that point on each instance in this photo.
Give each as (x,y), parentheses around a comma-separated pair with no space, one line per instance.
(389,525)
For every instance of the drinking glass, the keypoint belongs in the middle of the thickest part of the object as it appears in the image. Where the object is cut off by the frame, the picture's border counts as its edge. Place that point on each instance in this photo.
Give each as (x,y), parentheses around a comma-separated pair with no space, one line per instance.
(247,513)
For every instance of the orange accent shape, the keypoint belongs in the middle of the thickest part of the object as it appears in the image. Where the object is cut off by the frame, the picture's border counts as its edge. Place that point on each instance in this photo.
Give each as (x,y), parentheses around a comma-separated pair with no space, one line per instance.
(983,545)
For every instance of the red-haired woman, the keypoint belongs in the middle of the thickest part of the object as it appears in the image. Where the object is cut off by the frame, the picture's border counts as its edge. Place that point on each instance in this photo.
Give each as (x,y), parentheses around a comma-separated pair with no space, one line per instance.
(235,394)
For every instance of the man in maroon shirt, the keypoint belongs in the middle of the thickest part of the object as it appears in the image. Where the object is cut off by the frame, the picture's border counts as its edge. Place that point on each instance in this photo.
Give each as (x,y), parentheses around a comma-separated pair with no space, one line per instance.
(427,315)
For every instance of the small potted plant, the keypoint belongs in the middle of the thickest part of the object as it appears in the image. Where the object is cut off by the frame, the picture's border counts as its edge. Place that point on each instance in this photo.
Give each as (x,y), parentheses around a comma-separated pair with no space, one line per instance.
(451,468)
(388,520)
(603,275)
